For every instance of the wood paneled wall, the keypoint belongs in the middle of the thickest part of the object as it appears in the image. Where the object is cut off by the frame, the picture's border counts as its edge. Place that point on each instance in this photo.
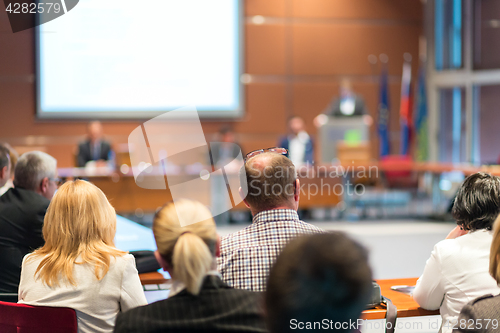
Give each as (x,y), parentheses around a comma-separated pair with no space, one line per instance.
(296,53)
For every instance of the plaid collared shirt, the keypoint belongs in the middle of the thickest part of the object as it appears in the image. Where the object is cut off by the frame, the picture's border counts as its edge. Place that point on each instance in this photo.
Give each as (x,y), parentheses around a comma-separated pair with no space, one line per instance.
(247,255)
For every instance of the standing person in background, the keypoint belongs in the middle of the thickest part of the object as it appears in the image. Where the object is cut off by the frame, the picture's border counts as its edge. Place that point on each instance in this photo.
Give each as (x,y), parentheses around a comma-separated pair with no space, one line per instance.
(94,148)
(14,156)
(298,143)
(79,267)
(457,271)
(225,149)
(22,210)
(347,104)
(198,300)
(5,168)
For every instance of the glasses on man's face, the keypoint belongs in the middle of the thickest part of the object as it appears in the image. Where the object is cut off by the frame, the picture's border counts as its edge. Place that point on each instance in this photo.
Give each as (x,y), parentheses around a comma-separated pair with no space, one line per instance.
(277,150)
(58,181)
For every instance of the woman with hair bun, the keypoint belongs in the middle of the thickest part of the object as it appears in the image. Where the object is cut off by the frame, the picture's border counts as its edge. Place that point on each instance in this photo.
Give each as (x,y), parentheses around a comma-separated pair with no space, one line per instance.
(188,243)
(79,267)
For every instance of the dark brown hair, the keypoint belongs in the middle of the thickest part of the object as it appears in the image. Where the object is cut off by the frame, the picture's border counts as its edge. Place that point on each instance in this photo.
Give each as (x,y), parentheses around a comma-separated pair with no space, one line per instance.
(477,203)
(315,277)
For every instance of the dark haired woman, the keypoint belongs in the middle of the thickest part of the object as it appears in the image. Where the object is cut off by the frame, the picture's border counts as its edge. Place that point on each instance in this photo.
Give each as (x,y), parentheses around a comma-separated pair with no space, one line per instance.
(457,271)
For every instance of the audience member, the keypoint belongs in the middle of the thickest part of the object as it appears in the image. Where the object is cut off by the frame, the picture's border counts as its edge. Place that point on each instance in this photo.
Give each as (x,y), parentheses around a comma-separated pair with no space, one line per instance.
(5,169)
(14,156)
(22,210)
(198,301)
(318,282)
(482,315)
(79,266)
(95,148)
(273,199)
(457,270)
(298,143)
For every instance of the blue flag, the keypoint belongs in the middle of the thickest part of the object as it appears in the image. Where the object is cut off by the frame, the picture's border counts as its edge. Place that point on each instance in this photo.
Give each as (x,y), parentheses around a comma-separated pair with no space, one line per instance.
(383,114)
(421,129)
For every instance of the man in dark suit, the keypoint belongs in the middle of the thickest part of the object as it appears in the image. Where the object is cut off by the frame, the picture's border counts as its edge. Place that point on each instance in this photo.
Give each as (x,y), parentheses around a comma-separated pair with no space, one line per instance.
(22,210)
(94,148)
(348,104)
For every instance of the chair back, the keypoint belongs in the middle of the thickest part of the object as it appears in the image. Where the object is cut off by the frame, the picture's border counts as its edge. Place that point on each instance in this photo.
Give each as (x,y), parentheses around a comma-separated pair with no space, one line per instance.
(22,318)
(8,297)
(397,170)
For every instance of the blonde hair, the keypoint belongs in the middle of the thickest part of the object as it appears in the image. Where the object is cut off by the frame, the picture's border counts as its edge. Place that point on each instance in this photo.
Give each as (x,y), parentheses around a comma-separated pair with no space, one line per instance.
(495,251)
(189,250)
(80,224)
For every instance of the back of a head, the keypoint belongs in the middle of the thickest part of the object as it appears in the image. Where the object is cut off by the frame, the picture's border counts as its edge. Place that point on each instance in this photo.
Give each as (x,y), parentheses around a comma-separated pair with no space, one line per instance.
(269,179)
(189,250)
(316,277)
(477,203)
(79,223)
(32,167)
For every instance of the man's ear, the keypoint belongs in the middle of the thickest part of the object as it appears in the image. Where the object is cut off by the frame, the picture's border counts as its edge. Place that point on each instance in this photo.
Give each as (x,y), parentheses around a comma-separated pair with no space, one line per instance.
(44,185)
(217,247)
(243,197)
(163,263)
(3,172)
(296,195)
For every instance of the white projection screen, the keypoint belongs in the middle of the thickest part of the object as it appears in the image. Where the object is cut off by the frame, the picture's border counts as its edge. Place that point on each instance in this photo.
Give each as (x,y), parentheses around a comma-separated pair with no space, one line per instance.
(119,59)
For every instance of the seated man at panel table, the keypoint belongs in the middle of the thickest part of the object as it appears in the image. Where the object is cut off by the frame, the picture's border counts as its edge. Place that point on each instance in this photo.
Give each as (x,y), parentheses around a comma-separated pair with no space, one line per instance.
(319,282)
(95,148)
(22,210)
(4,165)
(247,255)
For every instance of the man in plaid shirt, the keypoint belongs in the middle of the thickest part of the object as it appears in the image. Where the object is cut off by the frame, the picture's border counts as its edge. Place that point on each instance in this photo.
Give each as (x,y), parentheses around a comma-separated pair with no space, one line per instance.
(246,256)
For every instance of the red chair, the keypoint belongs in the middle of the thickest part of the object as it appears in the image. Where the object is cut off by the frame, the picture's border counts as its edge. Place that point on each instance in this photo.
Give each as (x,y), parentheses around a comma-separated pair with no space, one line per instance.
(21,318)
(397,171)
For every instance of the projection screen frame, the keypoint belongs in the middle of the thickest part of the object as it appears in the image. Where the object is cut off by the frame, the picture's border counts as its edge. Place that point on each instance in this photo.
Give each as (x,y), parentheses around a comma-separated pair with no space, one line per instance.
(143,115)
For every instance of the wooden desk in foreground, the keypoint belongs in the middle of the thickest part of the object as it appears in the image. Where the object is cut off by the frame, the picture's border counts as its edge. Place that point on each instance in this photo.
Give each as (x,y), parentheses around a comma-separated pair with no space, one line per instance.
(407,307)
(152,278)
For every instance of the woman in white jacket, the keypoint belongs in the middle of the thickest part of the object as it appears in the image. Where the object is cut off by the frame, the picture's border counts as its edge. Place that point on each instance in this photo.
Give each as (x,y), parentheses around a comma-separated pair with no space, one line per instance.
(458,269)
(79,267)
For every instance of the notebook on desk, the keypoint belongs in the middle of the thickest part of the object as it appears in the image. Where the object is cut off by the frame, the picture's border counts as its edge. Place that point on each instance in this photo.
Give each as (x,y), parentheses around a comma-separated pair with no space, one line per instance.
(407,290)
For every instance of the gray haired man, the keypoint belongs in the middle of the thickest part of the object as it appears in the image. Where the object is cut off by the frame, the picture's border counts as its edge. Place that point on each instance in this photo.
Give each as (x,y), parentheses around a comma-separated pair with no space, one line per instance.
(22,210)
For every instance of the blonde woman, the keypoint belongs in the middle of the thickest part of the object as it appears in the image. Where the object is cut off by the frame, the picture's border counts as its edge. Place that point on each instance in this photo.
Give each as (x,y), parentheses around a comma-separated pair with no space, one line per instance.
(199,300)
(483,313)
(79,267)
